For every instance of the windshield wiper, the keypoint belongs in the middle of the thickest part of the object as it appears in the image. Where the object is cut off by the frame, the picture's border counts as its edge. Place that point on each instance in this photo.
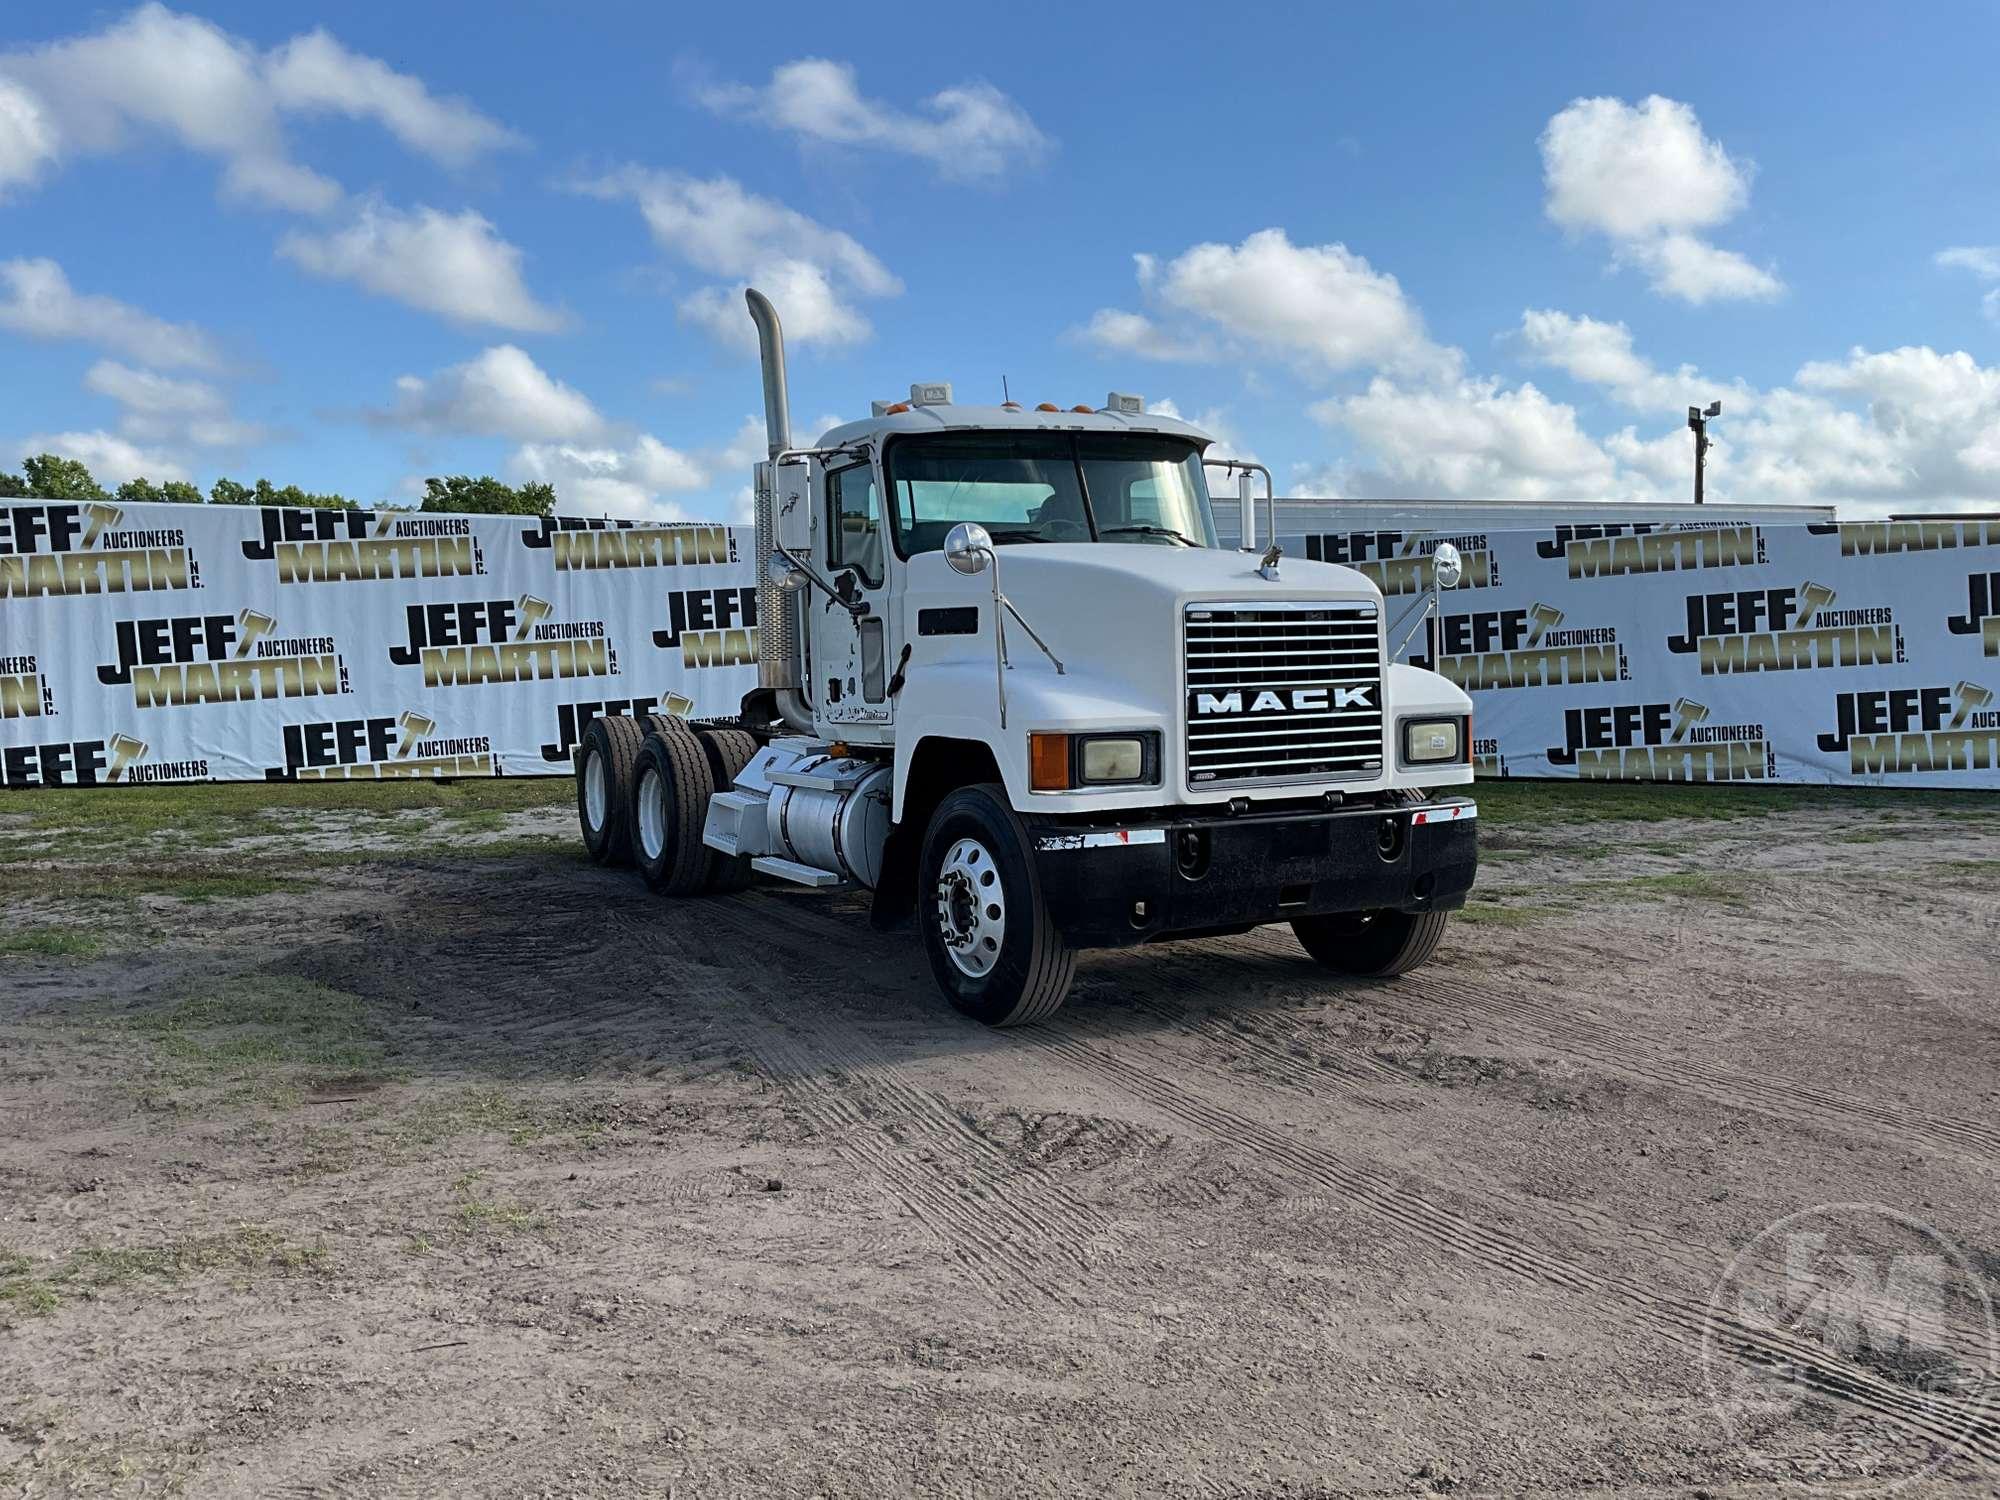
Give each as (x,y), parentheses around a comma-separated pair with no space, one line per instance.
(1185,541)
(1017,534)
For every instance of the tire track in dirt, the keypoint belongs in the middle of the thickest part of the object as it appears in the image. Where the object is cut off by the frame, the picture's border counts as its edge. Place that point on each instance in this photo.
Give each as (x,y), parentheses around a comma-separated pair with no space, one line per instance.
(1428,997)
(1603,1231)
(1416,1211)
(1023,1236)
(1289,1056)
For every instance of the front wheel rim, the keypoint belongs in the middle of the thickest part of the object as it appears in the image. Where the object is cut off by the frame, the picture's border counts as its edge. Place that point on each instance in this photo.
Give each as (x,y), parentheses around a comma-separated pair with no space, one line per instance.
(595,795)
(971,903)
(652,814)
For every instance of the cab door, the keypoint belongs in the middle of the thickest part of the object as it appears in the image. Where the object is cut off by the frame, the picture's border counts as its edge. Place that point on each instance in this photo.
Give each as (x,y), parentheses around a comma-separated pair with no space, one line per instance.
(852,657)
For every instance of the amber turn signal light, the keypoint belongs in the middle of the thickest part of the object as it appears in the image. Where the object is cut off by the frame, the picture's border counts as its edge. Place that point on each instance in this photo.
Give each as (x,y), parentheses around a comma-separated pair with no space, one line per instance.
(1048,762)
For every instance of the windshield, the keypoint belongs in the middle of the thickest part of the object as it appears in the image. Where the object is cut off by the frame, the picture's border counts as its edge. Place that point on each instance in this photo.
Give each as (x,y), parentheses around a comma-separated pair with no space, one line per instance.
(1049,487)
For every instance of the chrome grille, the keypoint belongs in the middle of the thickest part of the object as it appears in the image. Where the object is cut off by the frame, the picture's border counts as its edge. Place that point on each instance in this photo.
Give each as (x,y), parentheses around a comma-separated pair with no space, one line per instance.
(1282,691)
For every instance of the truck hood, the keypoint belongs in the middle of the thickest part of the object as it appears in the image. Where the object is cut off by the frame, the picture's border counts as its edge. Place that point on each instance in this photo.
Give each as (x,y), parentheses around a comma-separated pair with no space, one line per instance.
(1088,578)
(1111,611)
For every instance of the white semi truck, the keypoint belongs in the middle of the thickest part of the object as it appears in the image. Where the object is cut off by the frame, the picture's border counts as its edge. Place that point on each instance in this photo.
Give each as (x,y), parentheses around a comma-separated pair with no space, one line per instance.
(1009,684)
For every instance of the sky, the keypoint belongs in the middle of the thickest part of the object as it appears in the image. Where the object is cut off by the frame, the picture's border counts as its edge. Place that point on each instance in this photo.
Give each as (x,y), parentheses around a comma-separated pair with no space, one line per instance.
(1417,250)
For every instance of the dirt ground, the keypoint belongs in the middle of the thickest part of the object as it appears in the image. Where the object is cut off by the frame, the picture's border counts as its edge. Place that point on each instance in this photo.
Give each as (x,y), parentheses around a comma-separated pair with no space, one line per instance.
(372,1148)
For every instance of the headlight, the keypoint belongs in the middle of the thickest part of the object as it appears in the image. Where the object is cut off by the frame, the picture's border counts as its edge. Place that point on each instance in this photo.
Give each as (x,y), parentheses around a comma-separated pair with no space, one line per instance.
(1112,759)
(1070,762)
(1431,741)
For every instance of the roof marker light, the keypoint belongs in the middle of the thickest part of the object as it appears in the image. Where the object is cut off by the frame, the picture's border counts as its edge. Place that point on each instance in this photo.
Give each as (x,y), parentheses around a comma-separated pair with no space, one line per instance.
(1048,406)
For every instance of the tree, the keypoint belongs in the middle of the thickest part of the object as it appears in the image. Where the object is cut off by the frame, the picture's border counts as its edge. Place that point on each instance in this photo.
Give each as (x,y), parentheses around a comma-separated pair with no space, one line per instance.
(142,489)
(487,496)
(12,486)
(226,491)
(53,478)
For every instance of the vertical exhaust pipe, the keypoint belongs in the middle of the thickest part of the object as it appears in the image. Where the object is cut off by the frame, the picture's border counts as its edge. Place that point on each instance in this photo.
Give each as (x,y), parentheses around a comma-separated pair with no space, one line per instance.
(778,656)
(771,353)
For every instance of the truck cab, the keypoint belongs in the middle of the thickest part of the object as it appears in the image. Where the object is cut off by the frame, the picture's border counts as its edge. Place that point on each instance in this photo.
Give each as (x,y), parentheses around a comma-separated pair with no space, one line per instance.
(1009,682)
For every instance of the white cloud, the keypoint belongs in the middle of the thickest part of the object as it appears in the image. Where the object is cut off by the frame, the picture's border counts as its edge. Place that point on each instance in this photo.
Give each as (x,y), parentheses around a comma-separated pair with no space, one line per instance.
(1601,354)
(315,73)
(1321,306)
(110,458)
(161,409)
(1982,261)
(1646,176)
(500,392)
(1695,271)
(1117,332)
(37,300)
(155,72)
(1472,439)
(1877,431)
(453,265)
(27,138)
(811,309)
(969,131)
(715,225)
(622,481)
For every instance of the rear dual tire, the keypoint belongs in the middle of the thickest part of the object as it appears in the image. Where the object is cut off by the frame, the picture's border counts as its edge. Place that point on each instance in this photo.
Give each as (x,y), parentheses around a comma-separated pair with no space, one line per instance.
(605,763)
(676,772)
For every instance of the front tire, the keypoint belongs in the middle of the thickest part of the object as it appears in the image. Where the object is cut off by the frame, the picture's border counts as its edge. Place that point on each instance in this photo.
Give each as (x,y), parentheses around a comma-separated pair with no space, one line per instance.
(1371,944)
(994,950)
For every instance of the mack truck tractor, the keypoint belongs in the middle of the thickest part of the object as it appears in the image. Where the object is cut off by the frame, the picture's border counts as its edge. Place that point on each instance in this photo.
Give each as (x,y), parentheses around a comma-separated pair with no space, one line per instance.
(1009,684)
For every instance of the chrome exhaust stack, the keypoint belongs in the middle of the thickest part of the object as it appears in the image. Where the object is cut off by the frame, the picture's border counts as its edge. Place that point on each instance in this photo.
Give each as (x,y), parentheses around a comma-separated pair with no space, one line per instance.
(771,353)
(777,607)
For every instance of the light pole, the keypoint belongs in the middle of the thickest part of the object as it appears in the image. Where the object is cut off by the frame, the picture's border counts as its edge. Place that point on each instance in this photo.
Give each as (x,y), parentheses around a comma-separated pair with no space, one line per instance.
(1698,425)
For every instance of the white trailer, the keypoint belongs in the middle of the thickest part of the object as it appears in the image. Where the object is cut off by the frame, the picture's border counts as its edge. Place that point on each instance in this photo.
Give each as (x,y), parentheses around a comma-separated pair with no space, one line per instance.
(1010,684)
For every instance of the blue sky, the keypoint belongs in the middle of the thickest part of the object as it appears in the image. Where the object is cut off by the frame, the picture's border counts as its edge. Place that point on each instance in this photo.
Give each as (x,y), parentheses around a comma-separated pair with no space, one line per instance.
(1413,250)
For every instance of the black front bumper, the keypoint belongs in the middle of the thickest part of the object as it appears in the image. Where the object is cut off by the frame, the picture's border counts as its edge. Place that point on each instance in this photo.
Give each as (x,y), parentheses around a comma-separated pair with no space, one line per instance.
(1140,880)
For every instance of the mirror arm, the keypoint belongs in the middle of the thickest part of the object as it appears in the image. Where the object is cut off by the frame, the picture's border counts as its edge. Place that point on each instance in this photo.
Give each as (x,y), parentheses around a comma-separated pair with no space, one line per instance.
(1248,521)
(1422,606)
(856,607)
(1020,619)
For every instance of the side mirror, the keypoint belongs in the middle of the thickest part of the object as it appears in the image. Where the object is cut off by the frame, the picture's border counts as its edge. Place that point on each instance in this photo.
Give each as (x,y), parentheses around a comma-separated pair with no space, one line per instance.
(792,506)
(1447,566)
(968,547)
(785,573)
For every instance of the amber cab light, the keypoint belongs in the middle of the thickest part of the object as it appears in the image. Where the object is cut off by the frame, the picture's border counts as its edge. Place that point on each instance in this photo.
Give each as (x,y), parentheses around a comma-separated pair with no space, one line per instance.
(1048,762)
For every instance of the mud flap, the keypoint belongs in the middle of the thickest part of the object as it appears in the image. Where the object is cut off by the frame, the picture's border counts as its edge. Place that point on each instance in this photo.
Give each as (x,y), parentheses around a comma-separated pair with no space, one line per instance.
(896,890)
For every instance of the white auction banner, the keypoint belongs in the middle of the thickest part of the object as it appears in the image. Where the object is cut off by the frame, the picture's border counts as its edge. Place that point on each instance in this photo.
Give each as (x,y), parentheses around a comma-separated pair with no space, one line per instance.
(156,643)
(152,643)
(1864,652)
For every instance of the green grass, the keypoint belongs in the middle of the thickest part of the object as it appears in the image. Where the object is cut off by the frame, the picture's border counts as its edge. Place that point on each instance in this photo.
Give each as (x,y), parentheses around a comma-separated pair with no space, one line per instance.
(96,1268)
(116,883)
(49,942)
(1691,885)
(262,1031)
(1972,869)
(244,1249)
(206,804)
(1494,914)
(1529,802)
(477,1213)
